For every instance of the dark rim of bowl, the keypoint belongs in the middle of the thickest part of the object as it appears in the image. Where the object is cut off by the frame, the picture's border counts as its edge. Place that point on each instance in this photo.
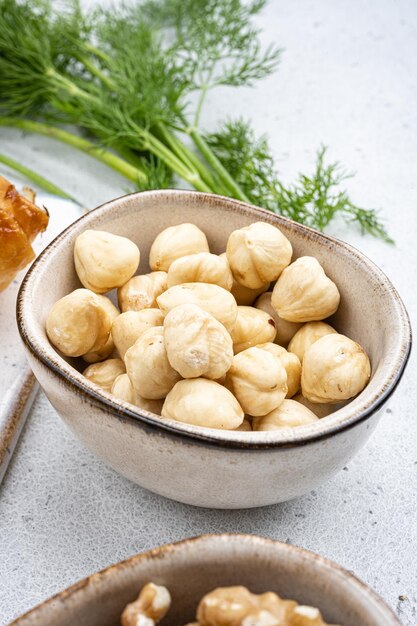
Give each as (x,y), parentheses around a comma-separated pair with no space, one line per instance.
(154,422)
(166,549)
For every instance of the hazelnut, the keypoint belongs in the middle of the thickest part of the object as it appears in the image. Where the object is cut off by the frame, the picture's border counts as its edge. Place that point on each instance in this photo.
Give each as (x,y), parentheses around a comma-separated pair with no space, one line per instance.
(129,326)
(196,343)
(78,323)
(148,367)
(246,425)
(289,414)
(122,389)
(252,326)
(321,410)
(285,330)
(243,295)
(104,261)
(150,607)
(141,292)
(202,267)
(203,402)
(303,292)
(335,368)
(107,349)
(307,335)
(258,380)
(105,373)
(211,298)
(175,242)
(291,363)
(257,254)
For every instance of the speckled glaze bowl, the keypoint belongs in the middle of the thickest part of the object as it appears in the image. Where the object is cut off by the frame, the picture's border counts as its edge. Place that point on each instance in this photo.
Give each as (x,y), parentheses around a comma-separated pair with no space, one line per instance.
(193,567)
(195,465)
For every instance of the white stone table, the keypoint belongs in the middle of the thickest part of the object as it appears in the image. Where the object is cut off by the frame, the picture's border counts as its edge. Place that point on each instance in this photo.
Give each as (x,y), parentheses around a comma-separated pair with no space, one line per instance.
(348,79)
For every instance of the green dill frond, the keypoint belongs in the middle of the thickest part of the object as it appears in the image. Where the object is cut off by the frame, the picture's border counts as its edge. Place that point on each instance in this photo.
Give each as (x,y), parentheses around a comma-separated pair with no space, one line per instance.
(314,200)
(158,174)
(25,54)
(141,69)
(215,41)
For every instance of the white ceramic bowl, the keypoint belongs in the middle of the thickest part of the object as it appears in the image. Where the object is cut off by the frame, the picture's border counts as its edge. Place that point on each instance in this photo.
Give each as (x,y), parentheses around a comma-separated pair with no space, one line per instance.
(194,567)
(205,467)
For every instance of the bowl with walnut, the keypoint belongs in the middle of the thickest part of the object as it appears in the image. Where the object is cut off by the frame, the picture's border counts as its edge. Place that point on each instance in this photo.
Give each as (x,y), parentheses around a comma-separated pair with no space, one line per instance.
(211,351)
(217,580)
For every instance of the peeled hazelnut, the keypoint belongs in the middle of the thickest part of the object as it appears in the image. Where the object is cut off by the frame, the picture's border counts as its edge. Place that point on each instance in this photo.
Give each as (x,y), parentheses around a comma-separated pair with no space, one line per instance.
(175,242)
(252,327)
(129,326)
(211,298)
(303,292)
(107,349)
(285,330)
(202,267)
(203,402)
(105,373)
(321,410)
(196,343)
(246,425)
(291,364)
(78,323)
(258,380)
(289,414)
(307,335)
(335,368)
(141,292)
(243,295)
(104,261)
(257,254)
(148,367)
(122,389)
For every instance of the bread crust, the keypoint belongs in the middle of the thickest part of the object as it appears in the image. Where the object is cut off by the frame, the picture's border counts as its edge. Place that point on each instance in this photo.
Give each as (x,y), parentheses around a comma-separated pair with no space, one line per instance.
(20,222)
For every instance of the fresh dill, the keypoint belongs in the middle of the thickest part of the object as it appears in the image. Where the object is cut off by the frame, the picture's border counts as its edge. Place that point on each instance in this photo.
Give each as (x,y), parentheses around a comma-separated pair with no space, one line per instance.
(125,77)
(314,200)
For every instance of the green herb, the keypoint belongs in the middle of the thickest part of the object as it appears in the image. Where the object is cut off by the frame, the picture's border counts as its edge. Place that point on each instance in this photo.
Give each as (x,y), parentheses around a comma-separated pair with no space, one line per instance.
(313,200)
(126,78)
(34,177)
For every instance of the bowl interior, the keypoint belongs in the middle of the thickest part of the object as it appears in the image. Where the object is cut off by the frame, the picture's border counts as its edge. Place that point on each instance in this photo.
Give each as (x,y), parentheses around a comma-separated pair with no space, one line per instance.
(194,567)
(370,312)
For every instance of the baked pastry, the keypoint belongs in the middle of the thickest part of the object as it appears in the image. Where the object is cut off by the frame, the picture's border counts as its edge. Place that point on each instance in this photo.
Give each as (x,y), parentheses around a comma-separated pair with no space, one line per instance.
(20,222)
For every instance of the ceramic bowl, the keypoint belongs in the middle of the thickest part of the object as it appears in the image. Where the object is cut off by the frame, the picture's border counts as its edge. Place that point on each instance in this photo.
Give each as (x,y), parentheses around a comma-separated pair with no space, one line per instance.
(192,568)
(195,465)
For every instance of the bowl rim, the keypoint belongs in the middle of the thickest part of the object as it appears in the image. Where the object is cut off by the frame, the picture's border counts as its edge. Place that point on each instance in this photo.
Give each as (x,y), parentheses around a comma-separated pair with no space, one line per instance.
(303,435)
(165,550)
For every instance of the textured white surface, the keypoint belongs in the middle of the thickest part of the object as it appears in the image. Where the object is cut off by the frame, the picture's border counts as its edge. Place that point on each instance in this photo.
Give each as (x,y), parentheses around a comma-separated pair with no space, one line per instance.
(347,79)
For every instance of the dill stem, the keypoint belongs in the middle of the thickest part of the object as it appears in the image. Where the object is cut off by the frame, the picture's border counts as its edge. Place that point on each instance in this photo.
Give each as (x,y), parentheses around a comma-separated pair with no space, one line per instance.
(36,178)
(108,158)
(217,166)
(164,153)
(188,157)
(95,71)
(195,172)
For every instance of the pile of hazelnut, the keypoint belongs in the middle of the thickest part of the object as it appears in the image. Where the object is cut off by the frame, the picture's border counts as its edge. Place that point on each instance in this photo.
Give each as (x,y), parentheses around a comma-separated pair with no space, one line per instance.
(225,606)
(200,339)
